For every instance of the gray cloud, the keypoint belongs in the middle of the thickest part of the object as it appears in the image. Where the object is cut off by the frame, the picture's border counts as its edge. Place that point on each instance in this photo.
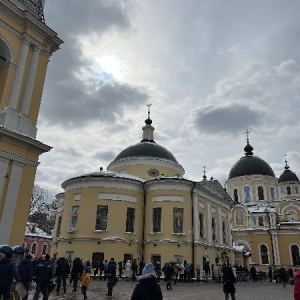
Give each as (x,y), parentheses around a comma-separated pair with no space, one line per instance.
(230,119)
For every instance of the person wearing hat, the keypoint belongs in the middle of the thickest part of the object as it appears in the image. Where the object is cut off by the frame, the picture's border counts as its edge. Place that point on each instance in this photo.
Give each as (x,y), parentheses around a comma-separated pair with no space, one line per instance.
(84,281)
(25,271)
(8,271)
(297,285)
(147,288)
(62,272)
(44,278)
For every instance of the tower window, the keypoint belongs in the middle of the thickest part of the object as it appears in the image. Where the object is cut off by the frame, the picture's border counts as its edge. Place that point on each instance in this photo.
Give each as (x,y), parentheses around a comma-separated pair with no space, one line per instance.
(235,196)
(130,220)
(260,192)
(156,219)
(288,190)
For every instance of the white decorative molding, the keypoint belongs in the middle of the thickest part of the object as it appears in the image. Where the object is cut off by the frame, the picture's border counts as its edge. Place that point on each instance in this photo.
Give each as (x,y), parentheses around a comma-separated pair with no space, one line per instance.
(201,204)
(103,182)
(117,197)
(167,198)
(178,185)
(16,158)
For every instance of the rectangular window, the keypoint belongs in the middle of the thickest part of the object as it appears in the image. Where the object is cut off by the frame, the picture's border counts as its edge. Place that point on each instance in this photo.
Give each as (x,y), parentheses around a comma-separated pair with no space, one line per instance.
(213,227)
(33,248)
(201,225)
(101,217)
(74,217)
(130,219)
(224,232)
(156,219)
(58,226)
(44,251)
(178,220)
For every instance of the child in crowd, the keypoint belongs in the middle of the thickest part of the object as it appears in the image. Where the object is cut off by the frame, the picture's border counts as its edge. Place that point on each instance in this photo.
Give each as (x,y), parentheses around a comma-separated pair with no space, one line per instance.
(84,281)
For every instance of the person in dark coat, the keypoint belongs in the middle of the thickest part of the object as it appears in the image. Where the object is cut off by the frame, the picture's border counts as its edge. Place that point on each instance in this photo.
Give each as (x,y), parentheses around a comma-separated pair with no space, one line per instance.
(253,273)
(111,276)
(169,274)
(62,272)
(44,278)
(77,270)
(147,288)
(95,266)
(25,271)
(270,273)
(8,272)
(228,283)
(283,276)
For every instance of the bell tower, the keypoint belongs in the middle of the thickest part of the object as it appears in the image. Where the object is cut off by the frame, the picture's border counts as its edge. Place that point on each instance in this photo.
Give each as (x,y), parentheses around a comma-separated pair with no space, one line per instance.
(26,44)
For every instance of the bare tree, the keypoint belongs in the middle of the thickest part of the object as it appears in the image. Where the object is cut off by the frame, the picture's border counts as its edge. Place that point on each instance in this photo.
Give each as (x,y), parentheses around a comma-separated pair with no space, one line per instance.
(43,209)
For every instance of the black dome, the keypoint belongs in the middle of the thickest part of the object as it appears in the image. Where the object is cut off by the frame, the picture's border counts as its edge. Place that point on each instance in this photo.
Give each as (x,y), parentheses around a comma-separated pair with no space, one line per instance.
(250,165)
(287,175)
(145,149)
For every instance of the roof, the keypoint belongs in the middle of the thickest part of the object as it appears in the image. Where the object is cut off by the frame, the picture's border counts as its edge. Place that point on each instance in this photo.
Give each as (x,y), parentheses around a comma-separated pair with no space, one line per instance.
(33,231)
(287,176)
(146,149)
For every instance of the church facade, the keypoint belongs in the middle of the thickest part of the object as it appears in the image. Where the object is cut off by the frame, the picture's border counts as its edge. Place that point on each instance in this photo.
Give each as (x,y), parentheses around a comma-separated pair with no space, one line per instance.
(266,213)
(26,43)
(143,208)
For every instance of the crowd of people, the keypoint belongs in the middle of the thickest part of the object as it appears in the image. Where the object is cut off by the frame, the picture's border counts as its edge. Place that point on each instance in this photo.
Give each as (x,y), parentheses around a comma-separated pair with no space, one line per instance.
(50,274)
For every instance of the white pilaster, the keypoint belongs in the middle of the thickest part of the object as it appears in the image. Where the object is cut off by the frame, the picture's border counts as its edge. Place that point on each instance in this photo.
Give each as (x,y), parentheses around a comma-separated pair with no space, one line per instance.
(209,229)
(220,237)
(3,173)
(17,83)
(30,81)
(196,218)
(229,231)
(10,203)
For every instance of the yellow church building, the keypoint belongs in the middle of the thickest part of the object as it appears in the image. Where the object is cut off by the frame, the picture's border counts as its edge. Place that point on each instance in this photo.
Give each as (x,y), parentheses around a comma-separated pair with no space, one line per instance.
(143,208)
(266,213)
(26,44)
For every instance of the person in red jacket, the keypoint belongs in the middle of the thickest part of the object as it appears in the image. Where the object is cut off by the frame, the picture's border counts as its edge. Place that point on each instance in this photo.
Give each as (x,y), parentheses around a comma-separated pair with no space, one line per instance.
(297,286)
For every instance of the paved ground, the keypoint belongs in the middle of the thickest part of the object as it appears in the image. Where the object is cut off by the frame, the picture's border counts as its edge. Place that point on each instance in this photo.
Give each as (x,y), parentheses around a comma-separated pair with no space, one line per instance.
(205,291)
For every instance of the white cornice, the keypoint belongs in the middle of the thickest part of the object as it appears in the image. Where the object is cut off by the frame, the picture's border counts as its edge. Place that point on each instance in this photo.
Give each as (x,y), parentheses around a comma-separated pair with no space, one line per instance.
(102,182)
(23,141)
(148,161)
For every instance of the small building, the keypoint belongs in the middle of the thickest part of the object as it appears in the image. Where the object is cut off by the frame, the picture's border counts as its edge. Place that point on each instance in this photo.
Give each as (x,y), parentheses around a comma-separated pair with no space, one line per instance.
(37,242)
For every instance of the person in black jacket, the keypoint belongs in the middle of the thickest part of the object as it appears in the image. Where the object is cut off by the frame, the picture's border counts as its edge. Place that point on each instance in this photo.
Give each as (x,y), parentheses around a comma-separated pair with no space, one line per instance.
(25,271)
(44,278)
(76,272)
(228,283)
(111,276)
(62,272)
(147,288)
(8,271)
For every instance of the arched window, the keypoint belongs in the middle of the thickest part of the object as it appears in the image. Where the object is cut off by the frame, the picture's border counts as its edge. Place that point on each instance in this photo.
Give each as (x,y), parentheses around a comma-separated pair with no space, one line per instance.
(239,218)
(296,189)
(288,190)
(260,192)
(33,248)
(260,221)
(235,196)
(264,255)
(247,195)
(272,192)
(295,255)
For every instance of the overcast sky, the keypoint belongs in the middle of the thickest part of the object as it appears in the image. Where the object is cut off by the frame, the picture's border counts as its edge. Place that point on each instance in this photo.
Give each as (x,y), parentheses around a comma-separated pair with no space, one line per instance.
(210,68)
